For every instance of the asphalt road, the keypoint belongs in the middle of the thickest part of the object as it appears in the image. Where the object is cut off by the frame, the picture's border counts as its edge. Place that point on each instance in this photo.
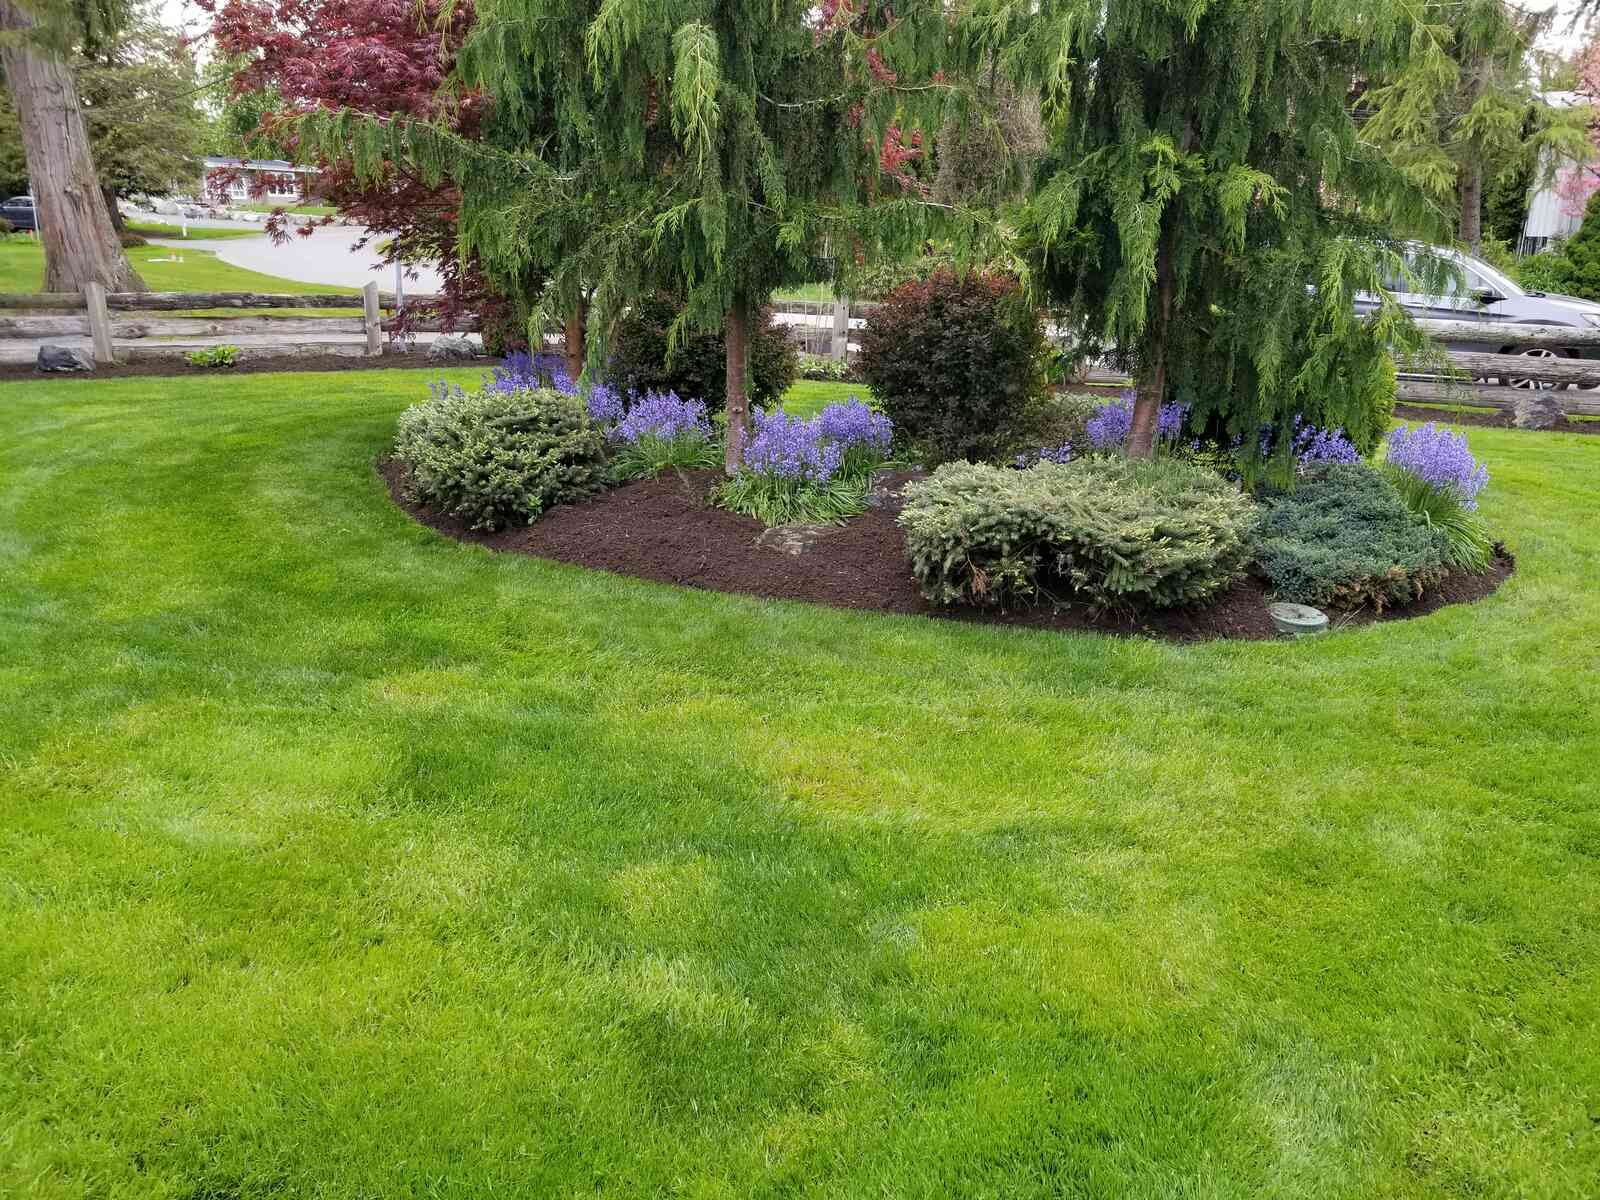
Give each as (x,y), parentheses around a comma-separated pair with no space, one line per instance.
(328,255)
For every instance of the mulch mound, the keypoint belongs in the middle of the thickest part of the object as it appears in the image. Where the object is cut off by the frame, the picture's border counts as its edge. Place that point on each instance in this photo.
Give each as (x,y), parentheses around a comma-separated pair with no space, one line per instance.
(664,530)
(1489,418)
(245,366)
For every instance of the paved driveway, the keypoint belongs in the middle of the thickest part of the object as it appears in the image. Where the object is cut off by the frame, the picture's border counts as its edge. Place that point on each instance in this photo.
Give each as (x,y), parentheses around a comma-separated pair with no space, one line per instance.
(329,255)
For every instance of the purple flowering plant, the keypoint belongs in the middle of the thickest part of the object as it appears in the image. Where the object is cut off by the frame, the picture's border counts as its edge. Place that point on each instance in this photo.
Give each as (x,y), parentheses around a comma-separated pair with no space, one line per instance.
(659,430)
(1439,479)
(794,469)
(1111,424)
(1438,458)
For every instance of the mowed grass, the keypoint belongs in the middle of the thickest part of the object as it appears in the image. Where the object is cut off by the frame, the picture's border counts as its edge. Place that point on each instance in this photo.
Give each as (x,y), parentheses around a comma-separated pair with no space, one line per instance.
(169,269)
(340,860)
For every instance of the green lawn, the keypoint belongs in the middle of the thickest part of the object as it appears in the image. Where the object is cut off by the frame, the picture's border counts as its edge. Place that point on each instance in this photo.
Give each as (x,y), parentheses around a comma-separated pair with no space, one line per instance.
(22,270)
(815,293)
(163,229)
(340,860)
(809,396)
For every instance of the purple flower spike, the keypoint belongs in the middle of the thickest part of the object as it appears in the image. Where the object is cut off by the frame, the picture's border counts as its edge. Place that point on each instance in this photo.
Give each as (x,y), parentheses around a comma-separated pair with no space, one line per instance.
(1439,458)
(656,415)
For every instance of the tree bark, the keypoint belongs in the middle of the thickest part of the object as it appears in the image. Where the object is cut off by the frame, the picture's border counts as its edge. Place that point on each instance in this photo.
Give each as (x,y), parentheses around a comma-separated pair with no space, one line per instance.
(576,347)
(1471,189)
(1152,382)
(80,243)
(112,210)
(737,333)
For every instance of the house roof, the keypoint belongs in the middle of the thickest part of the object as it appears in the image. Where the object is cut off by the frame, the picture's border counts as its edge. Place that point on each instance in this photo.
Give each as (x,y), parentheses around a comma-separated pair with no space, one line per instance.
(216,162)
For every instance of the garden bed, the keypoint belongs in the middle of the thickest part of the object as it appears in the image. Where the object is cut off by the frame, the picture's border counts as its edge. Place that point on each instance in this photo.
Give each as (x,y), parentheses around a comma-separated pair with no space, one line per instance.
(663,530)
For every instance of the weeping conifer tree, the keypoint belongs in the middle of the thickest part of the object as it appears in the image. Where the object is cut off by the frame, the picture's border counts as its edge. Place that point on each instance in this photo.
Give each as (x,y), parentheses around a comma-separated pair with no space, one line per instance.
(715,150)
(1207,200)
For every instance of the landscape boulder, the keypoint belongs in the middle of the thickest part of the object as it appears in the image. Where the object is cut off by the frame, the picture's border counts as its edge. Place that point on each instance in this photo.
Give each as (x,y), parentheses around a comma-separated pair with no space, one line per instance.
(64,359)
(451,349)
(1537,409)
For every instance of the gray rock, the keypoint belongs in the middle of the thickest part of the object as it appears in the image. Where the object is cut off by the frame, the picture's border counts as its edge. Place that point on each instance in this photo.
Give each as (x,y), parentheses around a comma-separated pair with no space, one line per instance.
(451,349)
(64,359)
(794,540)
(1537,409)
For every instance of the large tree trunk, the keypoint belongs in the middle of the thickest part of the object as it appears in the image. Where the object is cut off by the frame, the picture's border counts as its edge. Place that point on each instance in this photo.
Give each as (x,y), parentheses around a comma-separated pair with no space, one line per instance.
(737,333)
(1152,382)
(576,348)
(80,244)
(1471,188)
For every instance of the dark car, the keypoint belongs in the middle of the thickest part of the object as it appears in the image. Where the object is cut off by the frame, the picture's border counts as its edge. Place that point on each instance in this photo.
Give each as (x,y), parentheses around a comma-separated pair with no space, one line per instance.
(20,212)
(1469,289)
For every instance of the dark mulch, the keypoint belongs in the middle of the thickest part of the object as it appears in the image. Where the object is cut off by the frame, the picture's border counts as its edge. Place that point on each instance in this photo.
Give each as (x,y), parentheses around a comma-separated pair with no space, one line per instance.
(245,366)
(1489,418)
(662,529)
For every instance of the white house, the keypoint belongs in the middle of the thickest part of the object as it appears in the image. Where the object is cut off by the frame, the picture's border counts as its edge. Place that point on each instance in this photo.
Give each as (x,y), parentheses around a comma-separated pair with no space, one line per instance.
(1555,202)
(268,180)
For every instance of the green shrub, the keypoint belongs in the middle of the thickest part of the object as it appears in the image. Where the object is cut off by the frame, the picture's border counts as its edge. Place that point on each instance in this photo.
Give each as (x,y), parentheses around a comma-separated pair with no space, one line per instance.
(697,369)
(213,356)
(1107,530)
(1578,272)
(830,370)
(956,361)
(1544,272)
(129,240)
(1343,539)
(495,458)
(1055,419)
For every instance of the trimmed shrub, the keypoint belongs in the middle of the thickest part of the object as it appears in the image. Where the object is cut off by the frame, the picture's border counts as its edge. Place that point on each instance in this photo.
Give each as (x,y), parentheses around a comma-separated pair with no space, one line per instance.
(130,240)
(957,361)
(640,361)
(1344,538)
(494,458)
(1111,531)
(828,370)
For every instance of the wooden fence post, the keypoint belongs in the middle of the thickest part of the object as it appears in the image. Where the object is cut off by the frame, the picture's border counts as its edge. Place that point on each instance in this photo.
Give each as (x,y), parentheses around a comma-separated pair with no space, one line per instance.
(841,329)
(94,300)
(372,319)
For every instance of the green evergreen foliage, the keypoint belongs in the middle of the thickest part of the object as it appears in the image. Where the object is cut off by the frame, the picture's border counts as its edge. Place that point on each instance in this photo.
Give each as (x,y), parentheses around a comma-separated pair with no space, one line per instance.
(643,359)
(1574,270)
(1207,203)
(495,458)
(956,361)
(1110,531)
(1464,112)
(1345,539)
(710,151)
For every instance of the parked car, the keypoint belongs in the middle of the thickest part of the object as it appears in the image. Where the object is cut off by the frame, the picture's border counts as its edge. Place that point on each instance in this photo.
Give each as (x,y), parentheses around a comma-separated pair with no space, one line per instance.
(1474,291)
(20,212)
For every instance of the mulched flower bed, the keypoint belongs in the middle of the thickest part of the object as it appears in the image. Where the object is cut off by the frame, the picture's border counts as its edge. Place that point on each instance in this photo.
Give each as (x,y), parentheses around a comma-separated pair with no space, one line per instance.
(245,366)
(662,529)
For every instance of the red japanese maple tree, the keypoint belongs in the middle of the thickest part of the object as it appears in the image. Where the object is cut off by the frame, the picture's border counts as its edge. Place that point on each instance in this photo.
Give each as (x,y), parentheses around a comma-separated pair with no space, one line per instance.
(387,58)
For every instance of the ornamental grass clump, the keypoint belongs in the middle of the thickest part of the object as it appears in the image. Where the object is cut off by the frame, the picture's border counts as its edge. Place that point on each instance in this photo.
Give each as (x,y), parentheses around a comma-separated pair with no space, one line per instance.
(1437,476)
(1110,531)
(1344,538)
(816,471)
(494,458)
(658,431)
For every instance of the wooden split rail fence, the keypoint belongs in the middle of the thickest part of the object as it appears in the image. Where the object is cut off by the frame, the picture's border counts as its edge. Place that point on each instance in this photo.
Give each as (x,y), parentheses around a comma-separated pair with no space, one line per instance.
(136,325)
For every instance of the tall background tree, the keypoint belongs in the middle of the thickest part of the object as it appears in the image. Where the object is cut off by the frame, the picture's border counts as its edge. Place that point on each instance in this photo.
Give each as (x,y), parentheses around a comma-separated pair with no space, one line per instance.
(140,90)
(1207,201)
(80,242)
(712,150)
(1466,109)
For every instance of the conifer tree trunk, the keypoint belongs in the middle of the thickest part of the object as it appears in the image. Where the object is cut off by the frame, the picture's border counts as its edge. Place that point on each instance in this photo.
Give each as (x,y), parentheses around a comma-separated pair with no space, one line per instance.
(80,244)
(1471,189)
(576,348)
(1152,382)
(738,341)
(112,210)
